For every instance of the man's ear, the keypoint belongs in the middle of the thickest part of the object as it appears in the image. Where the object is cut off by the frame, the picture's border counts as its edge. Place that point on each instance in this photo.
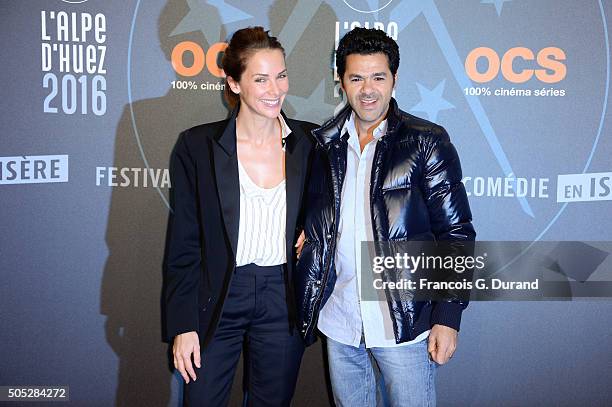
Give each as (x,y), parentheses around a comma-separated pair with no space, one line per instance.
(234,86)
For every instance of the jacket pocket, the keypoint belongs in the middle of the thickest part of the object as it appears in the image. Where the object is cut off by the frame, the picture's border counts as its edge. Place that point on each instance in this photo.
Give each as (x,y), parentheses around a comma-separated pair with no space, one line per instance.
(308,271)
(400,184)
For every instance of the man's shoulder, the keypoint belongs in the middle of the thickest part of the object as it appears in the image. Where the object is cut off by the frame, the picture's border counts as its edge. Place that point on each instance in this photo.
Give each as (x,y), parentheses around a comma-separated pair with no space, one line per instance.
(414,126)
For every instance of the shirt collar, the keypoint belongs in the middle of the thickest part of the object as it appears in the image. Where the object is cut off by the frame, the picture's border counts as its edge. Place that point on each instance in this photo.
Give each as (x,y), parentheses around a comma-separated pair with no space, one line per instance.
(286,130)
(349,127)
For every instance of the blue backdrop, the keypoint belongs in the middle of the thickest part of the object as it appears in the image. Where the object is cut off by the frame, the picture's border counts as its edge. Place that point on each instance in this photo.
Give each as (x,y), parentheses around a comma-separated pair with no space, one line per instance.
(96,93)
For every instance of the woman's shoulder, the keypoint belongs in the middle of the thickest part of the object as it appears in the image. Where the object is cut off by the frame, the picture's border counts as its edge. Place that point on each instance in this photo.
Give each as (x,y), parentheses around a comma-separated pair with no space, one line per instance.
(206,130)
(197,139)
(306,126)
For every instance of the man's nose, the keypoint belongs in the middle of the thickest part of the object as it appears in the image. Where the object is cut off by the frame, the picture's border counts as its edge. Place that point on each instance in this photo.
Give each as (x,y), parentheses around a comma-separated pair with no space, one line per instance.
(366,86)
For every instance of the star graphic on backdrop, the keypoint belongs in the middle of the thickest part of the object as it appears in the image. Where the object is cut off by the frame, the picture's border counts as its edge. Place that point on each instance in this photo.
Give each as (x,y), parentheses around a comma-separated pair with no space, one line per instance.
(229,14)
(208,17)
(313,107)
(499,4)
(432,101)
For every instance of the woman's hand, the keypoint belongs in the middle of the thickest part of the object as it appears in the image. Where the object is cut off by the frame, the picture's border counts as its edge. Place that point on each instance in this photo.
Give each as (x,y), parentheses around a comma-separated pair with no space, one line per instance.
(300,244)
(184,346)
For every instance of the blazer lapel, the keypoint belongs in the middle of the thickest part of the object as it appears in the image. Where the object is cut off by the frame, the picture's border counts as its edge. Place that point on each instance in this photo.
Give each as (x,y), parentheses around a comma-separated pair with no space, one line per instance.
(226,174)
(225,158)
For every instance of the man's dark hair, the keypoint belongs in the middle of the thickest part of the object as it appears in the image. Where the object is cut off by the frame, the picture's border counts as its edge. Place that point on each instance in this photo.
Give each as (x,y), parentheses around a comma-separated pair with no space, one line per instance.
(367,41)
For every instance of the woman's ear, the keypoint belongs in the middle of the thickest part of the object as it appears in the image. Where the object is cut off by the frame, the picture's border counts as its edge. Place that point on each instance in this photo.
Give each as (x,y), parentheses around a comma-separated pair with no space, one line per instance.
(234,86)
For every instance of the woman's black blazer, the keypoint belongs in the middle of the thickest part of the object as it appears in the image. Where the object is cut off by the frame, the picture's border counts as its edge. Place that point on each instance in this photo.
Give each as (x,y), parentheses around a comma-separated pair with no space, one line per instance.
(203,228)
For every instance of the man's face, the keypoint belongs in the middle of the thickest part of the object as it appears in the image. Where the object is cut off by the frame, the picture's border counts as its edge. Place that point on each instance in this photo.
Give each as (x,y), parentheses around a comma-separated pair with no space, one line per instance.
(368,84)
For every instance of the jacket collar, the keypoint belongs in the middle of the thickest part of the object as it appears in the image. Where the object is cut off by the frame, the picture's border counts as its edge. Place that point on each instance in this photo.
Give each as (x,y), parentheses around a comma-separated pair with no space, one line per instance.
(293,138)
(330,130)
(227,138)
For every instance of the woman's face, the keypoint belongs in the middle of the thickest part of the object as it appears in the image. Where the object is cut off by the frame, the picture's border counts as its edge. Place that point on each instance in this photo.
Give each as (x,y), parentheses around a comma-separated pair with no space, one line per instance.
(264,84)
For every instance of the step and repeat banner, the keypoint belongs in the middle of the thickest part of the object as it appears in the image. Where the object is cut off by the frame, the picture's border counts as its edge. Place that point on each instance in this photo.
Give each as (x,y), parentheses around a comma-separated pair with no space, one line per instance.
(96,92)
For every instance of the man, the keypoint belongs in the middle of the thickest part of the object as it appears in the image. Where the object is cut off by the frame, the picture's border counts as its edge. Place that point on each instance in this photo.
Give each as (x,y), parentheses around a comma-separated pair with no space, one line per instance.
(377,174)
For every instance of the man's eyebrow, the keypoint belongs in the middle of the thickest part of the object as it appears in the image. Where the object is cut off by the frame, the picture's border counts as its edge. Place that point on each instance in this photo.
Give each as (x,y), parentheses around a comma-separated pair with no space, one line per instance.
(356,75)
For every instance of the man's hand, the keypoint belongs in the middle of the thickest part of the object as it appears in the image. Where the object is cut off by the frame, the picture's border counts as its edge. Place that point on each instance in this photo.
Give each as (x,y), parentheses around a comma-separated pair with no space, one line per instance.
(442,343)
(300,243)
(184,346)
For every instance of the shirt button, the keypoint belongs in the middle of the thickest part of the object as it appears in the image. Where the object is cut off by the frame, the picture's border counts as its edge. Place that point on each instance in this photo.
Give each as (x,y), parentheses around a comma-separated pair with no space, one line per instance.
(318,282)
(329,236)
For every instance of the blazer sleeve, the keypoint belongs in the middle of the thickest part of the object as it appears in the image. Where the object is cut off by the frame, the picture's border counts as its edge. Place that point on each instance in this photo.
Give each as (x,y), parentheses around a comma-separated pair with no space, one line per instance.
(450,215)
(183,257)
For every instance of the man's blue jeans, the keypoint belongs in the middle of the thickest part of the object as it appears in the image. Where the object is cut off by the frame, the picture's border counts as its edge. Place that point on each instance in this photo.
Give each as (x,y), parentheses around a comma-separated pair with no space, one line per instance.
(407,372)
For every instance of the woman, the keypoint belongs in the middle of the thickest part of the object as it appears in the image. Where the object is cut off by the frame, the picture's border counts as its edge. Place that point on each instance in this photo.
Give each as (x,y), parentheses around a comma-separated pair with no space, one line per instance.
(237,190)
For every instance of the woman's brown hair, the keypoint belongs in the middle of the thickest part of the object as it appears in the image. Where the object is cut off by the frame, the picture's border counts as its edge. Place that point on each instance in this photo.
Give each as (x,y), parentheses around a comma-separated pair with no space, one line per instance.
(244,43)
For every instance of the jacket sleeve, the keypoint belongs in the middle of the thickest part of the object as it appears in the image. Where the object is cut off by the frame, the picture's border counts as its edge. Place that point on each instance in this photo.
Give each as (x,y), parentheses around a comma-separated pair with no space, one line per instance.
(449,213)
(307,128)
(183,257)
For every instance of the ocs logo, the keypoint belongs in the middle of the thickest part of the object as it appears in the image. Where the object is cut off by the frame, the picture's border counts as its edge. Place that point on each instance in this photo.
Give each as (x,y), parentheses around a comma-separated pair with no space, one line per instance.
(548,67)
(201,59)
